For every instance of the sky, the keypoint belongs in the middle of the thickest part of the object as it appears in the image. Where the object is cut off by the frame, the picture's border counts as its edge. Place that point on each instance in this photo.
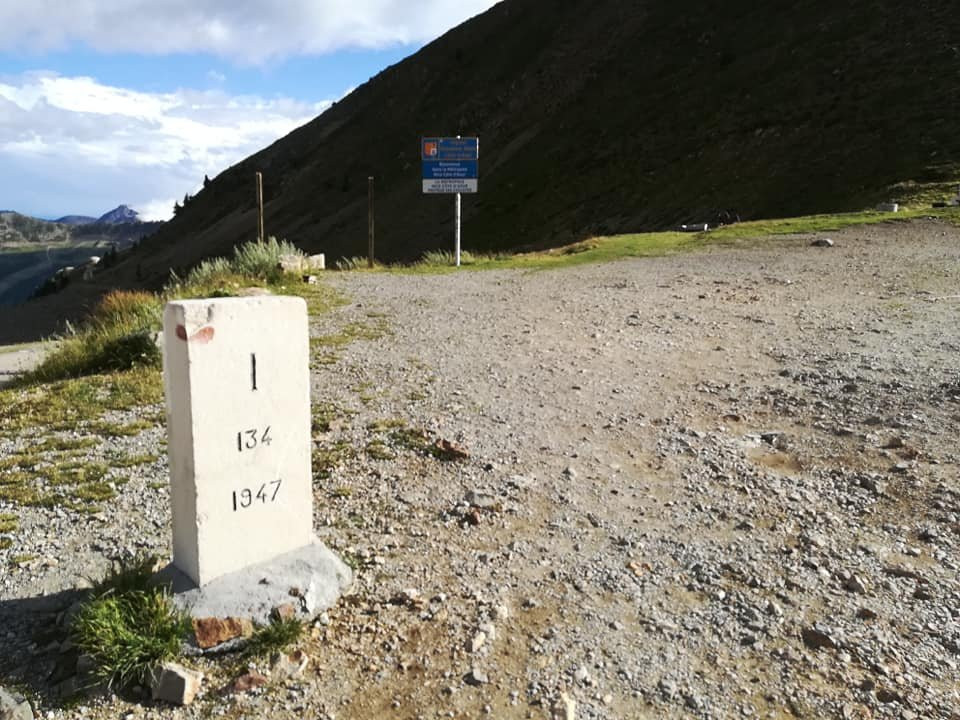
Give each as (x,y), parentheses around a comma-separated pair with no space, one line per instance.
(109,102)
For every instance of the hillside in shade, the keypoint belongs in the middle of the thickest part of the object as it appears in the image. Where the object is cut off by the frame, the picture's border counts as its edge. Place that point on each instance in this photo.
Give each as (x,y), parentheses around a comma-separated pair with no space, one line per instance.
(602,117)
(610,116)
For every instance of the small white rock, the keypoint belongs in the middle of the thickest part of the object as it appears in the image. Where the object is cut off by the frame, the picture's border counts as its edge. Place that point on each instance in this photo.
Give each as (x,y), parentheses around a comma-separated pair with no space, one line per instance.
(478,641)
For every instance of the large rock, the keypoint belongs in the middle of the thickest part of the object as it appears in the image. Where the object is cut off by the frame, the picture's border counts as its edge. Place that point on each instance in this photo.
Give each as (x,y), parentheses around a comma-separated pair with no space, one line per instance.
(14,707)
(175,684)
(253,592)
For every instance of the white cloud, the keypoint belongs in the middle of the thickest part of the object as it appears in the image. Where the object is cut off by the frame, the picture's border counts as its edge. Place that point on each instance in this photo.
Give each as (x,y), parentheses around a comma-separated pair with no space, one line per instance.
(246,31)
(74,137)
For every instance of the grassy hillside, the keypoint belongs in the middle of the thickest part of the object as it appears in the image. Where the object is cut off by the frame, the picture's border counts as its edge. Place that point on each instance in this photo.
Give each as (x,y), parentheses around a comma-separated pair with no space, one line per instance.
(611,116)
(21,230)
(23,233)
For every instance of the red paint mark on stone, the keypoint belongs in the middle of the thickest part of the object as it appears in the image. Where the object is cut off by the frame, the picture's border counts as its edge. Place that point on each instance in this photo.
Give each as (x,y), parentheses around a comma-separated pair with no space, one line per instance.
(202,336)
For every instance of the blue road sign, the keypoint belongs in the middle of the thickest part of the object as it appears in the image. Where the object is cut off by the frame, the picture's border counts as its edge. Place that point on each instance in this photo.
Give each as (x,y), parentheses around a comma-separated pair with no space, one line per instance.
(450,165)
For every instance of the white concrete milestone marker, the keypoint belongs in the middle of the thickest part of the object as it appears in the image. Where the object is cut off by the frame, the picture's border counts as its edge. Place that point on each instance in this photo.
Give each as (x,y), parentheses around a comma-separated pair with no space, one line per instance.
(237,381)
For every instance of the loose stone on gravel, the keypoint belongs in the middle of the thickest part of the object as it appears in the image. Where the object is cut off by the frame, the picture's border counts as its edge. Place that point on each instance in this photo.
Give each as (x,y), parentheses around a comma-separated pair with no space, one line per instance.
(175,684)
(14,707)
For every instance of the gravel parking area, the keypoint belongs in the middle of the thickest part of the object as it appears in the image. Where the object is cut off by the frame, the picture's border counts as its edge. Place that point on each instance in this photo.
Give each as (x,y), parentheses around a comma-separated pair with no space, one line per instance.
(717,484)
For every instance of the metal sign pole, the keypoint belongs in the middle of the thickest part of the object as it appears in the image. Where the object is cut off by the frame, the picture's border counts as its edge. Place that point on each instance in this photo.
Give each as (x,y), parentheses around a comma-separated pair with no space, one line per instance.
(457,231)
(260,237)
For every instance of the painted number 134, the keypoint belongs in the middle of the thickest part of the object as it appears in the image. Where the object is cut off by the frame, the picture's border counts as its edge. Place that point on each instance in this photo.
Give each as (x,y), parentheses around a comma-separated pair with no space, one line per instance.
(249,439)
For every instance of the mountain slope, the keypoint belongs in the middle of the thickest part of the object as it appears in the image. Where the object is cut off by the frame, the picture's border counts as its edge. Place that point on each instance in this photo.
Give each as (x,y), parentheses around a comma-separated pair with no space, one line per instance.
(118,229)
(609,116)
(17,229)
(75,220)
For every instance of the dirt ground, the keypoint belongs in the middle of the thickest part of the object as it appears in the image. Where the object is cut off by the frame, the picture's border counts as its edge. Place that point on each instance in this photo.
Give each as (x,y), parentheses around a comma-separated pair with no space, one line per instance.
(717,484)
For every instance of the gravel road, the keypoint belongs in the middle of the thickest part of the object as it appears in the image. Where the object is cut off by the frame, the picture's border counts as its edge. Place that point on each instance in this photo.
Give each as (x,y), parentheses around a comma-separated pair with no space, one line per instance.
(718,484)
(15,359)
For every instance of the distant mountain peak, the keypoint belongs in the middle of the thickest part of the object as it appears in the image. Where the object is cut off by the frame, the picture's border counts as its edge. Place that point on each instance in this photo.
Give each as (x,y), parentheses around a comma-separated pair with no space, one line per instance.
(120,215)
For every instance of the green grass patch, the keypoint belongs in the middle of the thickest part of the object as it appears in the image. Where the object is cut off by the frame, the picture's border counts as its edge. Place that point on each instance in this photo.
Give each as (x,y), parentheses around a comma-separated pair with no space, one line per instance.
(114,429)
(95,492)
(275,637)
(128,626)
(62,444)
(23,461)
(351,559)
(127,461)
(23,493)
(615,247)
(324,347)
(378,450)
(351,332)
(320,298)
(324,358)
(385,424)
(71,484)
(6,543)
(325,414)
(328,458)
(74,473)
(13,478)
(68,404)
(412,439)
(8,523)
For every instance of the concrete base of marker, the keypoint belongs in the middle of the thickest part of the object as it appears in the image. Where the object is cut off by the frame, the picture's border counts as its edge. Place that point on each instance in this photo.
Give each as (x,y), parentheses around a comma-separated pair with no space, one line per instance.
(319,576)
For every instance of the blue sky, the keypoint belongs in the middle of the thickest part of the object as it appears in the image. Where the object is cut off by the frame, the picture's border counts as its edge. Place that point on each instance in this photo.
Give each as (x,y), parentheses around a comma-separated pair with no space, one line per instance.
(104,102)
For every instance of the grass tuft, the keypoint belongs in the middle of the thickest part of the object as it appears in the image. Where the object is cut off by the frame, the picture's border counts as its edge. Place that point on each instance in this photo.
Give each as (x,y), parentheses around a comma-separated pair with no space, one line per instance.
(118,336)
(445,258)
(8,523)
(356,262)
(328,457)
(128,626)
(275,637)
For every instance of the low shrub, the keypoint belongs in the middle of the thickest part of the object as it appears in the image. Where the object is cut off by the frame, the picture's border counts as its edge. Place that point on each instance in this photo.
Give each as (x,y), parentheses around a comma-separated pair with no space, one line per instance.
(262,260)
(119,335)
